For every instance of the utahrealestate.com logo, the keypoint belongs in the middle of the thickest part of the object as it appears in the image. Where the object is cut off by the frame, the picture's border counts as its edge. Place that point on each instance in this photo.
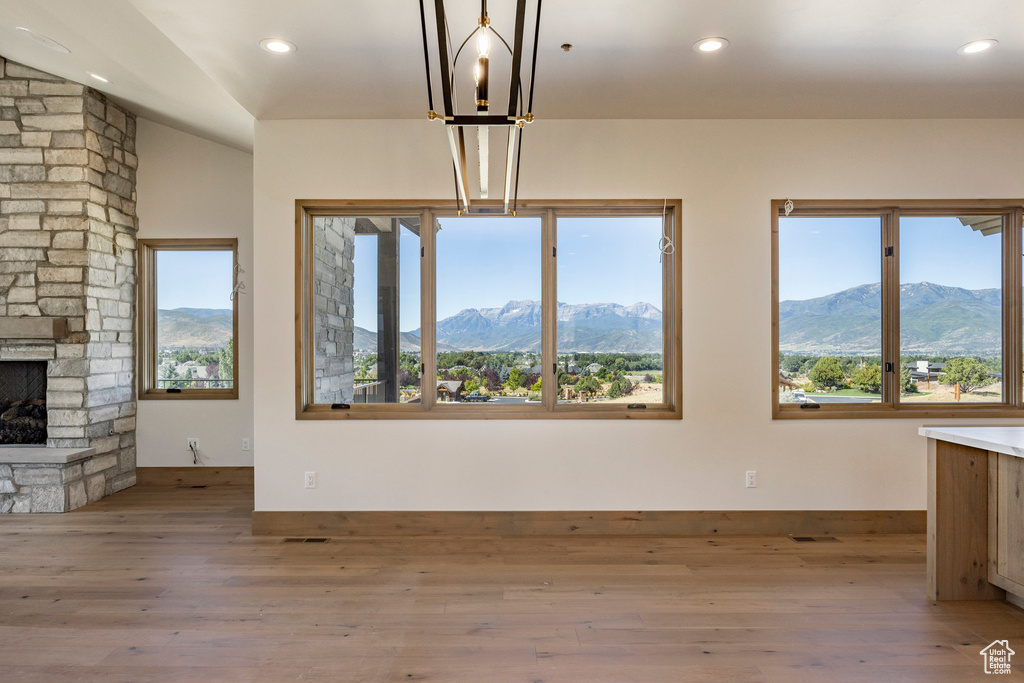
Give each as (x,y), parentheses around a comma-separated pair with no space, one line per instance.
(997,657)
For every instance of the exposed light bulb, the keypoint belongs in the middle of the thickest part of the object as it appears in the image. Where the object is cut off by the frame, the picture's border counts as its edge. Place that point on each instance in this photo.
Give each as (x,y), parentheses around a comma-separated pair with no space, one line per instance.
(483,42)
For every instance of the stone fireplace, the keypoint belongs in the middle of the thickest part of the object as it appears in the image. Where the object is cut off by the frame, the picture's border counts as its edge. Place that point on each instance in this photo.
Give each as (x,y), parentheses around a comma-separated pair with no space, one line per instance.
(67,286)
(22,402)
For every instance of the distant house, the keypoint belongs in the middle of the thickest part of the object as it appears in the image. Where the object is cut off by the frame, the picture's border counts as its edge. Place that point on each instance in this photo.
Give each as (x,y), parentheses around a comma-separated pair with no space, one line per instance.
(592,368)
(572,369)
(925,371)
(450,390)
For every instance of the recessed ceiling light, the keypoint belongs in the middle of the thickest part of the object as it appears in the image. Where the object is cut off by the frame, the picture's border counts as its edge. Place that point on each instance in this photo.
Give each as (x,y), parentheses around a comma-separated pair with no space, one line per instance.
(976,46)
(44,40)
(277,45)
(710,44)
(98,77)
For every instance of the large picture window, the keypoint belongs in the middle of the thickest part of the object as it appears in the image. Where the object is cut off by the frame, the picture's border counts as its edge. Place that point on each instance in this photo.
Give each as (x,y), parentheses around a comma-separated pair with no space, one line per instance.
(896,309)
(188,319)
(566,310)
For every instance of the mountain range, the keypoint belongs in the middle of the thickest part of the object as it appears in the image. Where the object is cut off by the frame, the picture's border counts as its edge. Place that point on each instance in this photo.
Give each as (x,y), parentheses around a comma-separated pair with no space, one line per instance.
(190,328)
(516,326)
(934,320)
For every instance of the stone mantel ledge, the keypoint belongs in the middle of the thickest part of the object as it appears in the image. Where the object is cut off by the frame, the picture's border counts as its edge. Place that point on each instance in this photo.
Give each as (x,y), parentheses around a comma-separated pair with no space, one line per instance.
(38,455)
(33,327)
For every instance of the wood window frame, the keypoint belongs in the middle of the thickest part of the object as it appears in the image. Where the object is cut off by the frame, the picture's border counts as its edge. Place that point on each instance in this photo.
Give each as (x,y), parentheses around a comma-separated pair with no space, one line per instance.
(147,318)
(548,211)
(889,211)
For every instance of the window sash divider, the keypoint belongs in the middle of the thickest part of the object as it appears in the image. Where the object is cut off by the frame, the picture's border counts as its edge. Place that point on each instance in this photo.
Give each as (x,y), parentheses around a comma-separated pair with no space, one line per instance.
(891,308)
(428,309)
(549,310)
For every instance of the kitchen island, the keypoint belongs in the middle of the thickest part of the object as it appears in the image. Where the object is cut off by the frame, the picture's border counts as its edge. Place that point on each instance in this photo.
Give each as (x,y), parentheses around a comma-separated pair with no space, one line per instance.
(975,513)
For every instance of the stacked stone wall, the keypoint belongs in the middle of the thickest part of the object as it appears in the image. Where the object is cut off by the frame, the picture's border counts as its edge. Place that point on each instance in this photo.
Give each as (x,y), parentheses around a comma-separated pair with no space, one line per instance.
(333,323)
(67,249)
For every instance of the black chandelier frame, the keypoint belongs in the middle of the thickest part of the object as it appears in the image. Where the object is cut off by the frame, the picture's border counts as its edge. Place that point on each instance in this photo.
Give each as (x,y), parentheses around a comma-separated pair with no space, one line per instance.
(455,124)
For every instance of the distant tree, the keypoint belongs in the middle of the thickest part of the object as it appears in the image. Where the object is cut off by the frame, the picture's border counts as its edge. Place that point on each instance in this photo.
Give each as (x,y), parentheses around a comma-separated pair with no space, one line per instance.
(868,378)
(170,378)
(589,385)
(620,387)
(515,379)
(969,373)
(827,373)
(407,379)
(226,362)
(490,379)
(212,372)
(907,382)
(649,378)
(535,386)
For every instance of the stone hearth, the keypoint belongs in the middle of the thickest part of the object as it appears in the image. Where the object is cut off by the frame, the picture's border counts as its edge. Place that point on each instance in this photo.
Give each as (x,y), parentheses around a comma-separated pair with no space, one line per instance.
(67,282)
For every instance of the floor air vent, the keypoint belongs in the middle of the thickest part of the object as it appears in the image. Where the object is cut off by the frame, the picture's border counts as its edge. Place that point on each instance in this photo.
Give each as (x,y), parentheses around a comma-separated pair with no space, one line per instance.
(305,540)
(202,486)
(814,539)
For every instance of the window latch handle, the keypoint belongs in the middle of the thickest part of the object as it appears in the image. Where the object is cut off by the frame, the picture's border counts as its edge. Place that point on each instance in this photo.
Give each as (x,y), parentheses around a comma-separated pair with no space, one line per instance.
(889,367)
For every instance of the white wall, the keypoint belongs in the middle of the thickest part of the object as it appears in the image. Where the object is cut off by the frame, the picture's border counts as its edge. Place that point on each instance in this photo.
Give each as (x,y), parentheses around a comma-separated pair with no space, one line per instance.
(726,172)
(190,187)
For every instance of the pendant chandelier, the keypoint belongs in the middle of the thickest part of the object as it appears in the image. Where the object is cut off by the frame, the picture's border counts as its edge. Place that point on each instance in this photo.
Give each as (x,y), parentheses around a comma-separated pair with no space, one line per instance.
(487,39)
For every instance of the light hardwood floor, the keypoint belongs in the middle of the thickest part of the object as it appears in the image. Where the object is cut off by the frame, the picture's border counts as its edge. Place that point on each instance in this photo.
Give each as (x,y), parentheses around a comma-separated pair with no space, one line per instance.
(167,584)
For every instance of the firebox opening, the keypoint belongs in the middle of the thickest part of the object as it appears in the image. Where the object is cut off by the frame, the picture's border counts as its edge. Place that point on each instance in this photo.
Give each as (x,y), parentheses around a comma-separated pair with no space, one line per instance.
(23,402)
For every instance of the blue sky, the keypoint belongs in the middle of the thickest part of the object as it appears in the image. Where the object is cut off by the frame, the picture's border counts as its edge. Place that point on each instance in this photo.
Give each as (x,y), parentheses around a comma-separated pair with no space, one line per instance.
(485,262)
(819,256)
(194,279)
(364,295)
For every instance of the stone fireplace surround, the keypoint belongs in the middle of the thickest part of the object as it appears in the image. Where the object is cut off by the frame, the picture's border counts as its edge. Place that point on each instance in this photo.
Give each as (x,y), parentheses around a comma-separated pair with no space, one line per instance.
(67,284)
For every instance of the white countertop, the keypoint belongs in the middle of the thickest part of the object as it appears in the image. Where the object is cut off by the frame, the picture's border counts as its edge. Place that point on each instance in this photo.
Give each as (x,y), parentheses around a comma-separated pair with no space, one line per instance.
(1009,440)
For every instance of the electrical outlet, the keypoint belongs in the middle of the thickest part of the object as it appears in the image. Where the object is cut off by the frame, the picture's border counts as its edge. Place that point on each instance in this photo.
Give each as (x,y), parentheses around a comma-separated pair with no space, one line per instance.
(193,443)
(310,480)
(245,445)
(751,479)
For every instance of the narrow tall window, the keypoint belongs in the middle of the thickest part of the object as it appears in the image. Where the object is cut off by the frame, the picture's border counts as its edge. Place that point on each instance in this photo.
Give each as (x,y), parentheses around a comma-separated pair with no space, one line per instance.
(188,319)
(366,309)
(830,309)
(610,309)
(489,317)
(951,307)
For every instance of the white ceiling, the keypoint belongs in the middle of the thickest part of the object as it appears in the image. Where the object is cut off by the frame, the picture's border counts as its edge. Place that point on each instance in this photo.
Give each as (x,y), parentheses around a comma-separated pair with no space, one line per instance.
(197,65)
